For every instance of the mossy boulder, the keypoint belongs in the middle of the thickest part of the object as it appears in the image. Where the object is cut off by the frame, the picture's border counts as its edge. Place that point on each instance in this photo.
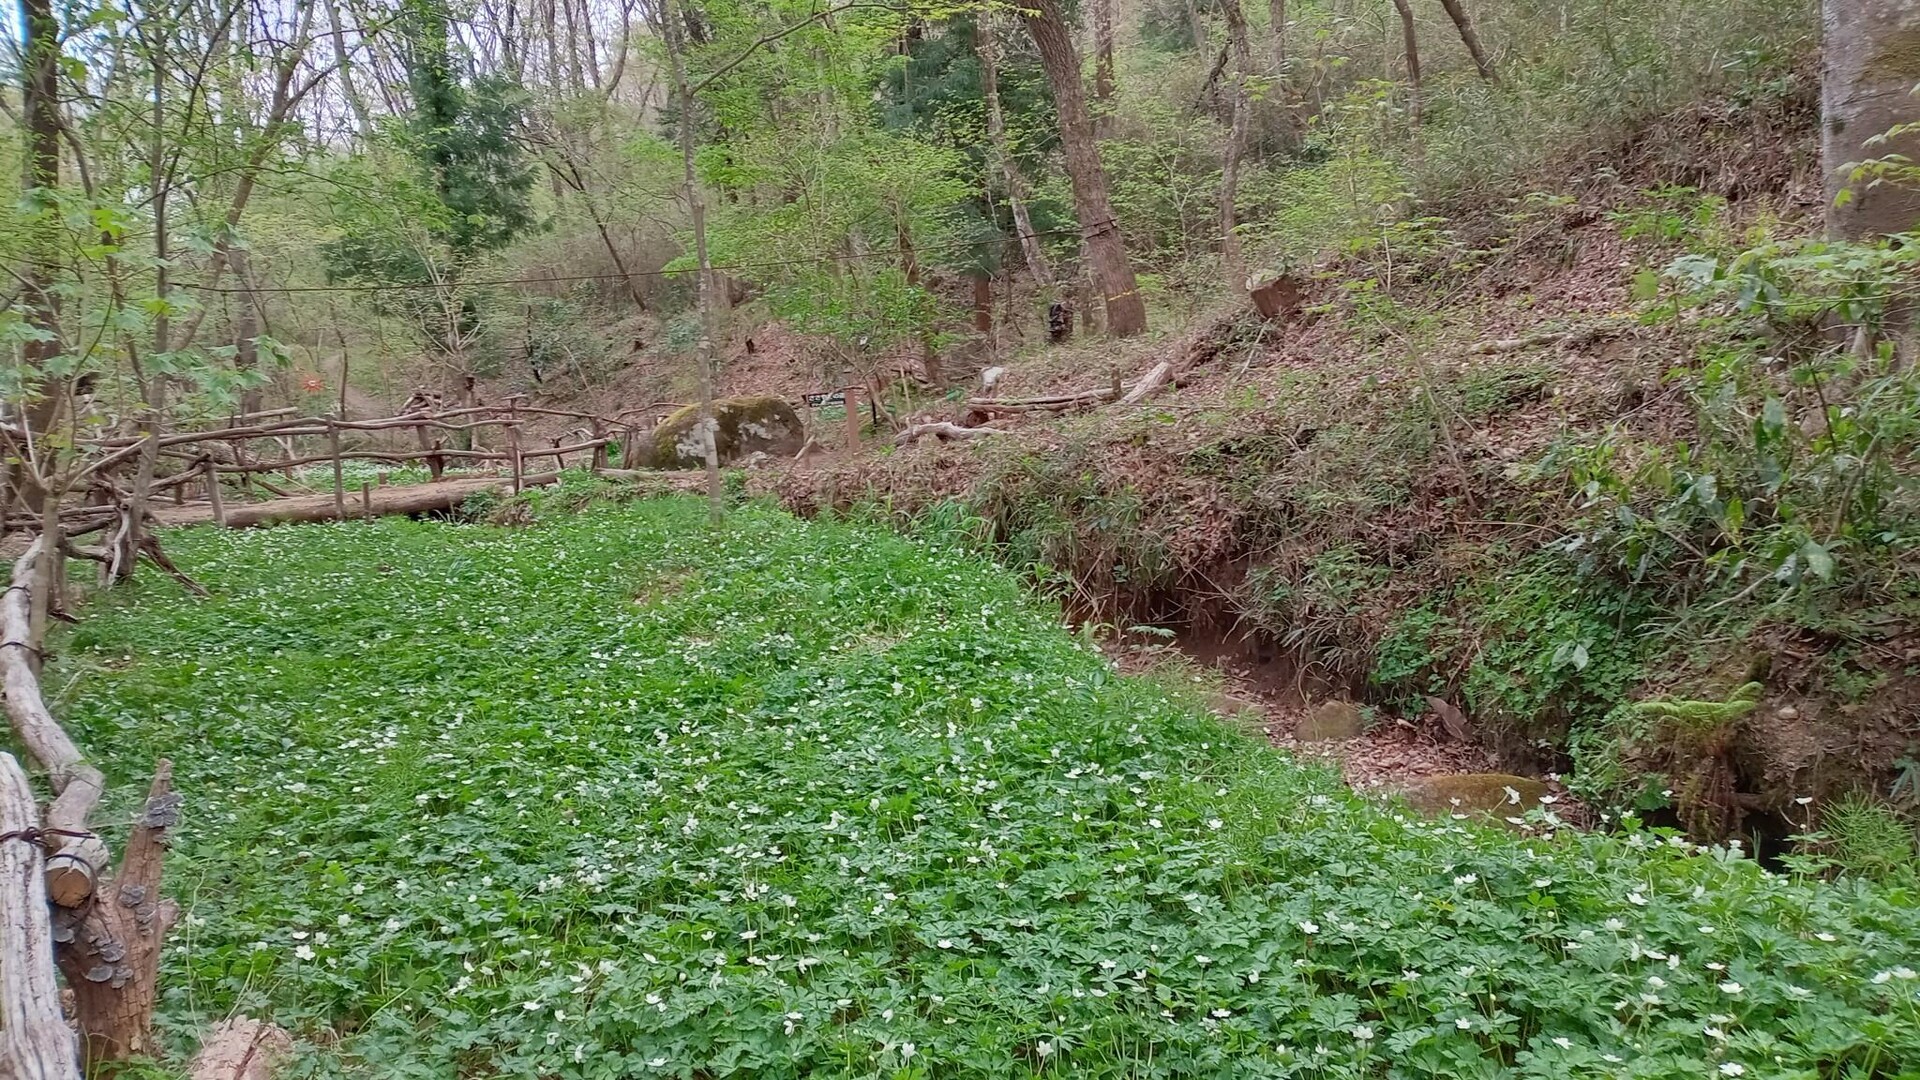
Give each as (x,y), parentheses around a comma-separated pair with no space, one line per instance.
(1332,721)
(743,425)
(1496,796)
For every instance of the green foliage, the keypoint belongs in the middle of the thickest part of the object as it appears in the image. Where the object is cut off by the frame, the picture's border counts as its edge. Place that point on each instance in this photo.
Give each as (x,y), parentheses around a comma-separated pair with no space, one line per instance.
(1557,648)
(1796,473)
(622,795)
(1865,837)
(1414,656)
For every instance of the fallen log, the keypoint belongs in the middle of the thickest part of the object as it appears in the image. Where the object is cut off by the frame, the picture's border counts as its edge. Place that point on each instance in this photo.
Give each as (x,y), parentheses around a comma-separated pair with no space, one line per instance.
(943,431)
(35,1041)
(75,856)
(1148,383)
(1103,393)
(438,495)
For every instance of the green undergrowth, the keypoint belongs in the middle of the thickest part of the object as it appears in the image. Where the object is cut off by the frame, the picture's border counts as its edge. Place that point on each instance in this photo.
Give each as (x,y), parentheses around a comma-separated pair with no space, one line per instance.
(620,795)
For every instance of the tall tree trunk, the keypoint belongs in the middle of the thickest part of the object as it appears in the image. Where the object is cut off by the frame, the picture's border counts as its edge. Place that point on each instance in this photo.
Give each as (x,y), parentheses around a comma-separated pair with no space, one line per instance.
(1413,58)
(1869,68)
(1277,14)
(697,211)
(1458,14)
(910,267)
(1241,105)
(1106,248)
(247,329)
(983,302)
(1030,249)
(1197,27)
(1103,63)
(40,69)
(343,61)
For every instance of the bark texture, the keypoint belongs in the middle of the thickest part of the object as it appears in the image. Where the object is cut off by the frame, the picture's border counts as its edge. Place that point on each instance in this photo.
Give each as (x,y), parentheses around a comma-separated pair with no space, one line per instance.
(1277,15)
(1106,248)
(1030,249)
(35,1041)
(1412,41)
(1241,104)
(109,951)
(1870,65)
(240,1048)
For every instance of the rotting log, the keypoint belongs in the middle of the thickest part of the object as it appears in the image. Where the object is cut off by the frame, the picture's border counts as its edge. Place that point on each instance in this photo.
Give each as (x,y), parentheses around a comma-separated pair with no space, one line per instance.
(240,1048)
(75,856)
(35,1041)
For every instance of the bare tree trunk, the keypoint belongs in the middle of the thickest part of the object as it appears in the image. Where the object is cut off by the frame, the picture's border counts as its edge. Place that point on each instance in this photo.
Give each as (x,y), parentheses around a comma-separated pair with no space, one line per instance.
(572,177)
(1106,248)
(1030,249)
(697,210)
(1413,58)
(1458,14)
(1197,27)
(1867,73)
(40,69)
(1277,14)
(343,61)
(1236,144)
(1103,63)
(247,330)
(112,959)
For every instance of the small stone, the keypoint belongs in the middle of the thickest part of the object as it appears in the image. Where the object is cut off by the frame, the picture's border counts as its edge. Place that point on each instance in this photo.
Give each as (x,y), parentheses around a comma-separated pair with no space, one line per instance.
(1497,796)
(1230,704)
(1330,721)
(1786,712)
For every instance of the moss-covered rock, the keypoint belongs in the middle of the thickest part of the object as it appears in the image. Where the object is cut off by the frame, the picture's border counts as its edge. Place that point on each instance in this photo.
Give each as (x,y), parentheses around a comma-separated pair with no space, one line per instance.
(1497,796)
(743,425)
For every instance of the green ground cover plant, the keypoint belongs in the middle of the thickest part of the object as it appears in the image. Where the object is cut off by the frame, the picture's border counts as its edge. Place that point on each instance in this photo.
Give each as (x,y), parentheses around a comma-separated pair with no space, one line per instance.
(617,795)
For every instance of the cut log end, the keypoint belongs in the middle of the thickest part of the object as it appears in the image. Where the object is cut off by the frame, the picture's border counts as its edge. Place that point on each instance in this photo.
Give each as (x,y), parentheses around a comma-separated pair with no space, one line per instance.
(70,878)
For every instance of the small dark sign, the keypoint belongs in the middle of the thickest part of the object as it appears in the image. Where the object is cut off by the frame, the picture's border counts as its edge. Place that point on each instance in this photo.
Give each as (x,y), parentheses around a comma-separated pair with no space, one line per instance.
(833,397)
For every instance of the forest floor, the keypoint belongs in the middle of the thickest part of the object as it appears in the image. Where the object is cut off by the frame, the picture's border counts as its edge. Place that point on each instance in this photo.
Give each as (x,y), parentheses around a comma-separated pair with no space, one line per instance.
(615,794)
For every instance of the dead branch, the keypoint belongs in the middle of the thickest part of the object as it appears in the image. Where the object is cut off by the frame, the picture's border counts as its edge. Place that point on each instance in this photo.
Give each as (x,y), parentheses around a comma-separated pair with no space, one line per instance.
(943,431)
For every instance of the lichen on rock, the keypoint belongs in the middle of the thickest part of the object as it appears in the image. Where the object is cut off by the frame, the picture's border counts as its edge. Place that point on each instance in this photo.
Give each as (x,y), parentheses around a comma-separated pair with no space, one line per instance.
(742,426)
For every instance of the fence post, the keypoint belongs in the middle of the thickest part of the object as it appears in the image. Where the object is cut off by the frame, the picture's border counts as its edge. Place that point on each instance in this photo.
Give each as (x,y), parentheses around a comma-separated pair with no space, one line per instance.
(513,440)
(339,483)
(366,500)
(213,493)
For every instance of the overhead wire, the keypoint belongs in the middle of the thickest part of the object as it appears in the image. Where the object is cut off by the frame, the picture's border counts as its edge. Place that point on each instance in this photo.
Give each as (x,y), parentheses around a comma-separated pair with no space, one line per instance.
(762,265)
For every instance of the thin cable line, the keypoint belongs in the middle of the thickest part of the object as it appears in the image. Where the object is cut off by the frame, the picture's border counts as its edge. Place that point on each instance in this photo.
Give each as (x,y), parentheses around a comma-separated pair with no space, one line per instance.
(400,285)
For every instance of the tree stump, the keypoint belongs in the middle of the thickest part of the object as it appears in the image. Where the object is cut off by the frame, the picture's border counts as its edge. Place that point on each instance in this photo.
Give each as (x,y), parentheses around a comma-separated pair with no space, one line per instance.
(1275,296)
(109,950)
